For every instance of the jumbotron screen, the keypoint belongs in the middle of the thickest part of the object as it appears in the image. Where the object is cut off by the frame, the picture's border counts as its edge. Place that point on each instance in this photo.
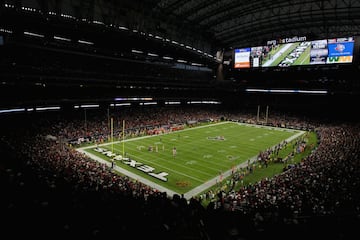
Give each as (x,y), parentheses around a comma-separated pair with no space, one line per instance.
(295,53)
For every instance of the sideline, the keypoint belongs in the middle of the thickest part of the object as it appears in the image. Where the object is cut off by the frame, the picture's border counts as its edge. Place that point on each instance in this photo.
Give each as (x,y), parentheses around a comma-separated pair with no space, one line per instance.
(197,190)
(130,174)
(149,136)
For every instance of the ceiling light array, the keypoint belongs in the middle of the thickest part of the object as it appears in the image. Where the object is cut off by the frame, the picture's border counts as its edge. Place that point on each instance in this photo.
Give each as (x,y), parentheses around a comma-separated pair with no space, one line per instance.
(166,57)
(286,91)
(29,9)
(144,101)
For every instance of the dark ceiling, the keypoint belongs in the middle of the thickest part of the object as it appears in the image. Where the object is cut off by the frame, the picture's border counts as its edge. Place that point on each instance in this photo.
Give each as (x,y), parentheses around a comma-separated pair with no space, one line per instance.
(216,23)
(198,27)
(245,23)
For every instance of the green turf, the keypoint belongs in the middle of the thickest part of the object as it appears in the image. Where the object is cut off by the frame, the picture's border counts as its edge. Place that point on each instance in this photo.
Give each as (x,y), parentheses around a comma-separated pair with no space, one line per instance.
(261,172)
(200,156)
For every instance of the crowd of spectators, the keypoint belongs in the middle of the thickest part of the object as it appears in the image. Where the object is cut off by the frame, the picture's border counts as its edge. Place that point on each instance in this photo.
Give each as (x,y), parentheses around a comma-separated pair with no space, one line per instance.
(50,188)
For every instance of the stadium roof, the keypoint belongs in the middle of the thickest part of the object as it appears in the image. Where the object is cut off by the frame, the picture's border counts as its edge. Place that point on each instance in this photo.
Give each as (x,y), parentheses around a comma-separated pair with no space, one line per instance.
(163,47)
(245,23)
(219,23)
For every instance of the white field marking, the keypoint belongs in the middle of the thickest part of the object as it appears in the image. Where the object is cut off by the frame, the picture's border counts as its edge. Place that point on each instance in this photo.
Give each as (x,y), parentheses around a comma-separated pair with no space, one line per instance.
(214,164)
(187,149)
(232,146)
(252,139)
(232,158)
(130,174)
(207,156)
(181,165)
(271,128)
(149,136)
(191,162)
(221,151)
(201,188)
(170,169)
(140,147)
(205,126)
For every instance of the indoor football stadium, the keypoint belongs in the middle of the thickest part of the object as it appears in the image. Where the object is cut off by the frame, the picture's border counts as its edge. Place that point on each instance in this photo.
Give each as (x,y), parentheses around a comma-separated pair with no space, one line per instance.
(182,120)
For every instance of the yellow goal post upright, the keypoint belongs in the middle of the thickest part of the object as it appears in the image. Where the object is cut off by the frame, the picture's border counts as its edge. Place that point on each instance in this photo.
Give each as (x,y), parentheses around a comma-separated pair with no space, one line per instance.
(123,137)
(112,134)
(266,114)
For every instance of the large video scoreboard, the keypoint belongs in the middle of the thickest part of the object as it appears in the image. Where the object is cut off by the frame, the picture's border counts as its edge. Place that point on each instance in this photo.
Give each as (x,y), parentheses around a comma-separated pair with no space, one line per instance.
(295,51)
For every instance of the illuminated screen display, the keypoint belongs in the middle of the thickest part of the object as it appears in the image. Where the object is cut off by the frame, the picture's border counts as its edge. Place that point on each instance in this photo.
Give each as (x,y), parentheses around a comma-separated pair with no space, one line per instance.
(326,51)
(340,50)
(242,58)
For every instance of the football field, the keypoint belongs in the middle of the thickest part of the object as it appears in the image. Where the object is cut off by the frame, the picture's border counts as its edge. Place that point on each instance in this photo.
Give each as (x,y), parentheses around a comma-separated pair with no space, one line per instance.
(190,160)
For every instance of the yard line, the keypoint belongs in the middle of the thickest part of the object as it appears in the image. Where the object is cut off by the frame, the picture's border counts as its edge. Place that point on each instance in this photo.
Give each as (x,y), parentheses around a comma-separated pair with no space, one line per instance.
(130,174)
(149,136)
(197,189)
(172,170)
(198,160)
(180,173)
